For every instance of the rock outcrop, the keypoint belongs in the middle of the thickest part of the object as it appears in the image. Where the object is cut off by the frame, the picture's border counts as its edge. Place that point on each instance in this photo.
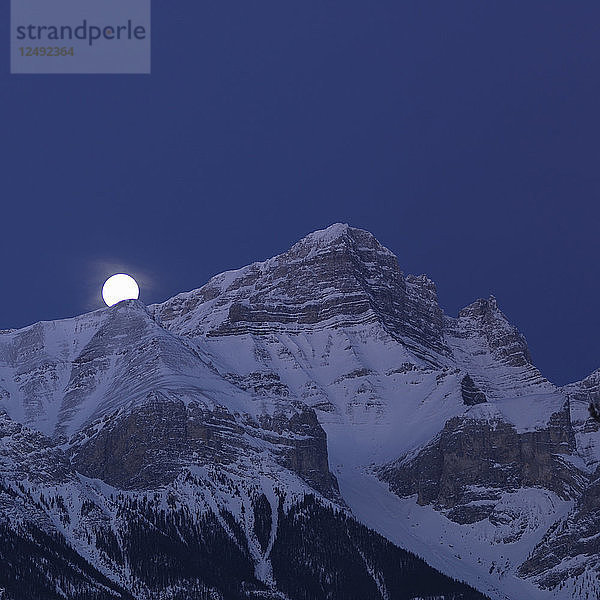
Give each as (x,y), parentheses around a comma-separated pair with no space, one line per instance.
(471,462)
(471,394)
(151,445)
(506,342)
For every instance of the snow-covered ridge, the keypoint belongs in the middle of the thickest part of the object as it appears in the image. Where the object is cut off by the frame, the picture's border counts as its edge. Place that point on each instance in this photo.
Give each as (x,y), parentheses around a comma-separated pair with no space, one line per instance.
(323,362)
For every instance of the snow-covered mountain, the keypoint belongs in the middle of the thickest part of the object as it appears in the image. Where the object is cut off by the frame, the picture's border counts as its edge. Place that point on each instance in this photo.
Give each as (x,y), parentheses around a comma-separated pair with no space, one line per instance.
(296,399)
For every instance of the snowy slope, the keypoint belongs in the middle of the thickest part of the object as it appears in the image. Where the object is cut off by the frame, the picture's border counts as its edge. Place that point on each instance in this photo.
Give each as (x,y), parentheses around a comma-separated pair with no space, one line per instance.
(325,365)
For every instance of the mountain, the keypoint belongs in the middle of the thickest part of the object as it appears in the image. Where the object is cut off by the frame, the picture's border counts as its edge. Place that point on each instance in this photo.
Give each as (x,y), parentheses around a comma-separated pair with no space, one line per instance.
(305,427)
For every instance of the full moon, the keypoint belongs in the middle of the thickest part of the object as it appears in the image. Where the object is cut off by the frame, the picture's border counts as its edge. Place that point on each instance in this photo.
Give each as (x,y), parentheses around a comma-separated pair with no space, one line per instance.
(120,287)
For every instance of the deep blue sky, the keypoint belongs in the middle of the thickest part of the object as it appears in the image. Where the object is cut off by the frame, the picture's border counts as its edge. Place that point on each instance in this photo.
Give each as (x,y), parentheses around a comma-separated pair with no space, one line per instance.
(464,135)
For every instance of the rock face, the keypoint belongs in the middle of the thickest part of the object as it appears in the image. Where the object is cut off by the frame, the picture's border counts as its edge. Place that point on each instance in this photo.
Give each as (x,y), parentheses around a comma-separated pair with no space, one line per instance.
(151,445)
(583,395)
(234,433)
(492,351)
(588,391)
(338,277)
(471,394)
(467,467)
(570,549)
(507,344)
(29,455)
(564,552)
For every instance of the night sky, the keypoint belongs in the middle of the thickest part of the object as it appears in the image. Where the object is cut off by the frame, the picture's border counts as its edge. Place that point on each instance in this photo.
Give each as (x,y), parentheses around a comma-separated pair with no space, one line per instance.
(464,135)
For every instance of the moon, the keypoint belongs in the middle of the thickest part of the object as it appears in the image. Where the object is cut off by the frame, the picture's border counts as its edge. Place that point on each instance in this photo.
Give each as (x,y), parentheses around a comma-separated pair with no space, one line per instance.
(120,287)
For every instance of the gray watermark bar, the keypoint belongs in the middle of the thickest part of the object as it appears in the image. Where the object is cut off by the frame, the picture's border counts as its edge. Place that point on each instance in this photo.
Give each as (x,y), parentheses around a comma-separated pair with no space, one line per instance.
(80,36)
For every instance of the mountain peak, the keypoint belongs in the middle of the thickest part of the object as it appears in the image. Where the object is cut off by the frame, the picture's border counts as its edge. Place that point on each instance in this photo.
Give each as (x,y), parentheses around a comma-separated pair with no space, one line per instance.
(484,318)
(335,236)
(129,306)
(333,277)
(333,232)
(482,307)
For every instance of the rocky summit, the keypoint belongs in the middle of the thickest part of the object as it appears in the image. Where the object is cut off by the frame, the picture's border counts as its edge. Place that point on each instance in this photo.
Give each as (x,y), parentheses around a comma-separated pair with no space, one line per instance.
(308,427)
